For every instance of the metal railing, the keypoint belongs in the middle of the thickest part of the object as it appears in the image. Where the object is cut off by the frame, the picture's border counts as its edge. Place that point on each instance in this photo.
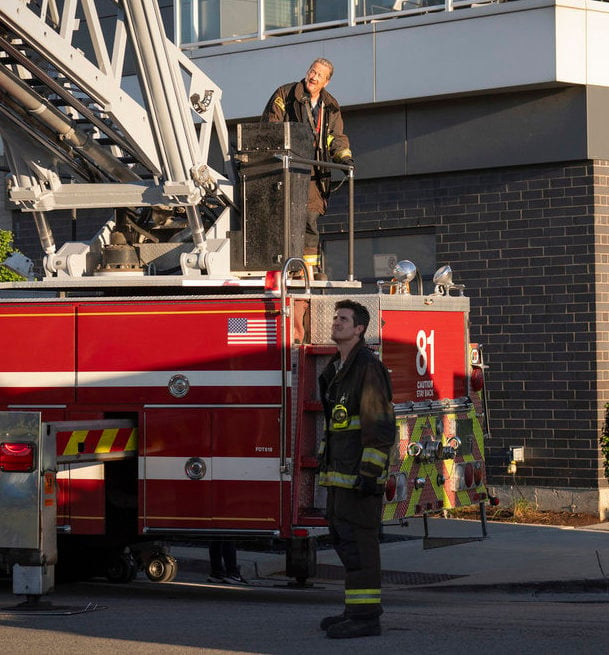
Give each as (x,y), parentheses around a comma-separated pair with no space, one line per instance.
(348,170)
(376,13)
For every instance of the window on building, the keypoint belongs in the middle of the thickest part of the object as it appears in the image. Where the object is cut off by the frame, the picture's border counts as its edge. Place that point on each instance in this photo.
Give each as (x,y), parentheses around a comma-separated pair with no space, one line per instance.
(294,13)
(210,20)
(284,13)
(373,7)
(323,11)
(375,255)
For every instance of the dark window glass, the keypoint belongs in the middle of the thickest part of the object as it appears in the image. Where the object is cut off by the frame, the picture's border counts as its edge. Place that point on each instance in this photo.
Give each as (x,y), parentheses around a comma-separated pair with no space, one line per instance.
(376,254)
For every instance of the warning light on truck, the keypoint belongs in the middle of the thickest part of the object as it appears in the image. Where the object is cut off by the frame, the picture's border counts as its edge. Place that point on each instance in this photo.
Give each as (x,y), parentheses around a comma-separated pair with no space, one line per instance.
(17,457)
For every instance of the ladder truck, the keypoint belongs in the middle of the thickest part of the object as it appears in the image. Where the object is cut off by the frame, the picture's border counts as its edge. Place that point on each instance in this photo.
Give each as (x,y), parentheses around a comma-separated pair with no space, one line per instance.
(152,388)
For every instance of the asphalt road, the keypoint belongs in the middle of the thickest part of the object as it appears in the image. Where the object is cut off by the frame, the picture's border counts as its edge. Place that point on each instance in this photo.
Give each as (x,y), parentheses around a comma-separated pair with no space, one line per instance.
(268,617)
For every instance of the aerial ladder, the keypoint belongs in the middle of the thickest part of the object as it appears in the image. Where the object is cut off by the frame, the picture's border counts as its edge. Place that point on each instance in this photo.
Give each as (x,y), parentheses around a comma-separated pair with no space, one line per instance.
(101,110)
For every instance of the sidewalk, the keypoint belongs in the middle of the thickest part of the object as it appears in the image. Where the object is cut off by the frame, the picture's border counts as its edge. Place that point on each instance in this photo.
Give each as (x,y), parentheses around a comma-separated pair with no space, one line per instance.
(513,555)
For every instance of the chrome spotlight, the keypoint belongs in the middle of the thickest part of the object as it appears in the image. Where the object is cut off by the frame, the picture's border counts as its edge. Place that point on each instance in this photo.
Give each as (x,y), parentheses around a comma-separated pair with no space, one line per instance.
(443,276)
(404,271)
(443,281)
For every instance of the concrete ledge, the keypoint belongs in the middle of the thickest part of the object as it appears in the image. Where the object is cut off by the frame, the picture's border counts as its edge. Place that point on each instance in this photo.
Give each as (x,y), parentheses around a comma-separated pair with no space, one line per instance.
(589,501)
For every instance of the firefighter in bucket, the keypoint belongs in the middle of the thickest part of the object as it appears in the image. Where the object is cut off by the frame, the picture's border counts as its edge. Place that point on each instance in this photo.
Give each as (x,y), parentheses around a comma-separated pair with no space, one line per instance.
(354,456)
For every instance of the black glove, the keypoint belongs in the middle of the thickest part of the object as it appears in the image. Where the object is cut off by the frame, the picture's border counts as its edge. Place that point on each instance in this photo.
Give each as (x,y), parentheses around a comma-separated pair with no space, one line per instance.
(366,485)
(347,162)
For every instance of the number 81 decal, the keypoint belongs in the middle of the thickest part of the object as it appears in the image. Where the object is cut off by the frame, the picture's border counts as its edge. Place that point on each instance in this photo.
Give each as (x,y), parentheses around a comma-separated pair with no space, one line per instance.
(425,352)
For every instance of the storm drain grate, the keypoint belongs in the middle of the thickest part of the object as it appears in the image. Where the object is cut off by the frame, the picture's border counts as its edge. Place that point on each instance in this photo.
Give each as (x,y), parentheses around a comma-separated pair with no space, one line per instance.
(332,572)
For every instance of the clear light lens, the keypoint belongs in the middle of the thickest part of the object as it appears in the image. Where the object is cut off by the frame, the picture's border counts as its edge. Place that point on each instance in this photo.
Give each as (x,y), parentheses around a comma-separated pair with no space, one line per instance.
(444,275)
(404,271)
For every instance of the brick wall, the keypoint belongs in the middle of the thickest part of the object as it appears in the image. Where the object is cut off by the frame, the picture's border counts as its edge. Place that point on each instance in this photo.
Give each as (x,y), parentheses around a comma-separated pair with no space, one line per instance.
(531,246)
(64,228)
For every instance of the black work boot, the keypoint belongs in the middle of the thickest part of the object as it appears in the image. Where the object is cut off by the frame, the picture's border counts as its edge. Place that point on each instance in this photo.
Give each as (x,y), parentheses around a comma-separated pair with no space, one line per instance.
(355,628)
(331,620)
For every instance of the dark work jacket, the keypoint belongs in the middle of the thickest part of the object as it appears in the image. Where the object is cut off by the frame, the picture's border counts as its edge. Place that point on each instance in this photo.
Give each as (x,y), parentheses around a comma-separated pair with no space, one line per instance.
(289,103)
(360,444)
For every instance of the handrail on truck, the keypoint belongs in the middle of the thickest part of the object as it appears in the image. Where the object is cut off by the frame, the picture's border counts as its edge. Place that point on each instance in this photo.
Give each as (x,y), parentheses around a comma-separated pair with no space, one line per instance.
(284,350)
(285,160)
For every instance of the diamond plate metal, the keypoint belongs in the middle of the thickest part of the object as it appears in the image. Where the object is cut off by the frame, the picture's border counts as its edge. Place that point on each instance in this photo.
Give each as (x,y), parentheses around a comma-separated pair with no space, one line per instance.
(322,311)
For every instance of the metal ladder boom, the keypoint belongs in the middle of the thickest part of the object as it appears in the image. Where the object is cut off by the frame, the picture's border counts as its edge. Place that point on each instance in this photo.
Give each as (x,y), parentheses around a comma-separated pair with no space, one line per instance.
(84,128)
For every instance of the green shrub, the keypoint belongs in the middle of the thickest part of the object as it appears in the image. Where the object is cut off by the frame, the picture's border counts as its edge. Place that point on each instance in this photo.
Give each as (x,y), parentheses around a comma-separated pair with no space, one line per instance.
(6,248)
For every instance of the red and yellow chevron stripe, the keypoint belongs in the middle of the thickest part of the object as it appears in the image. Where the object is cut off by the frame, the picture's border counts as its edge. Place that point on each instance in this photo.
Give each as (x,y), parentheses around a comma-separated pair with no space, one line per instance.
(99,442)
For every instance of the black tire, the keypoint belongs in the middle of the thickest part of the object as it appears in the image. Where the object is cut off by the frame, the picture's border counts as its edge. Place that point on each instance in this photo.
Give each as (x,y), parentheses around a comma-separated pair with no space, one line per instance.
(161,568)
(120,568)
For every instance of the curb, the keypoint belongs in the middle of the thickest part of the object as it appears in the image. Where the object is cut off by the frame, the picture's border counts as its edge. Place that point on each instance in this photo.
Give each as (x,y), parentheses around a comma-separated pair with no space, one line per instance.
(598,586)
(252,570)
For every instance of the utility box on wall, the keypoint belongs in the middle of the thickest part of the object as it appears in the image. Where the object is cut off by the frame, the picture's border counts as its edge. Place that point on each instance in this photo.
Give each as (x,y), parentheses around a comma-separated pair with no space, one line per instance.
(274,193)
(28,501)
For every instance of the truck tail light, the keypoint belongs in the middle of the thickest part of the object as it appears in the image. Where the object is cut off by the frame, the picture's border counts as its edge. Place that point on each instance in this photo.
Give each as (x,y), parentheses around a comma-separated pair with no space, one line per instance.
(477,379)
(17,457)
(468,475)
(477,474)
(391,488)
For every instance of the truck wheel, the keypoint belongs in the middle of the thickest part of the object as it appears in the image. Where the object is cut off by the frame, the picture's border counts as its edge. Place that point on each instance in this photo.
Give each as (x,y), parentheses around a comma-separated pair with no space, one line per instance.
(301,559)
(120,568)
(161,568)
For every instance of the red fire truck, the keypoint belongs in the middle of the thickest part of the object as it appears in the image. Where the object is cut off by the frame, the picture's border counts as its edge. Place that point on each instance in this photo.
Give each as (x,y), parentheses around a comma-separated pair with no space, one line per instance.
(159,361)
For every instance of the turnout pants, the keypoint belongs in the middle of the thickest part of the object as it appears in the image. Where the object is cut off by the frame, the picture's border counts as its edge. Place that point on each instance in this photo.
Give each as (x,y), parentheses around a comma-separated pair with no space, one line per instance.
(354,522)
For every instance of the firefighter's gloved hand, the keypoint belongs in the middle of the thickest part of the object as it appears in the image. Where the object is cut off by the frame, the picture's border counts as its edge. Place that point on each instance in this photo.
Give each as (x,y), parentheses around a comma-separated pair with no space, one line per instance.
(365,485)
(347,162)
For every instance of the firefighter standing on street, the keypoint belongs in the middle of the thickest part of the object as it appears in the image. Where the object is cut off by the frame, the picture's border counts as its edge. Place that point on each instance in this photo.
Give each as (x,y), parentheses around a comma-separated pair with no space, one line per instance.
(308,102)
(360,430)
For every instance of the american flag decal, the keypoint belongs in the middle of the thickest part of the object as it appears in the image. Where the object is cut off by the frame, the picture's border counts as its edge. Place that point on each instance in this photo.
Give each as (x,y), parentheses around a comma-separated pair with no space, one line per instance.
(251,331)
